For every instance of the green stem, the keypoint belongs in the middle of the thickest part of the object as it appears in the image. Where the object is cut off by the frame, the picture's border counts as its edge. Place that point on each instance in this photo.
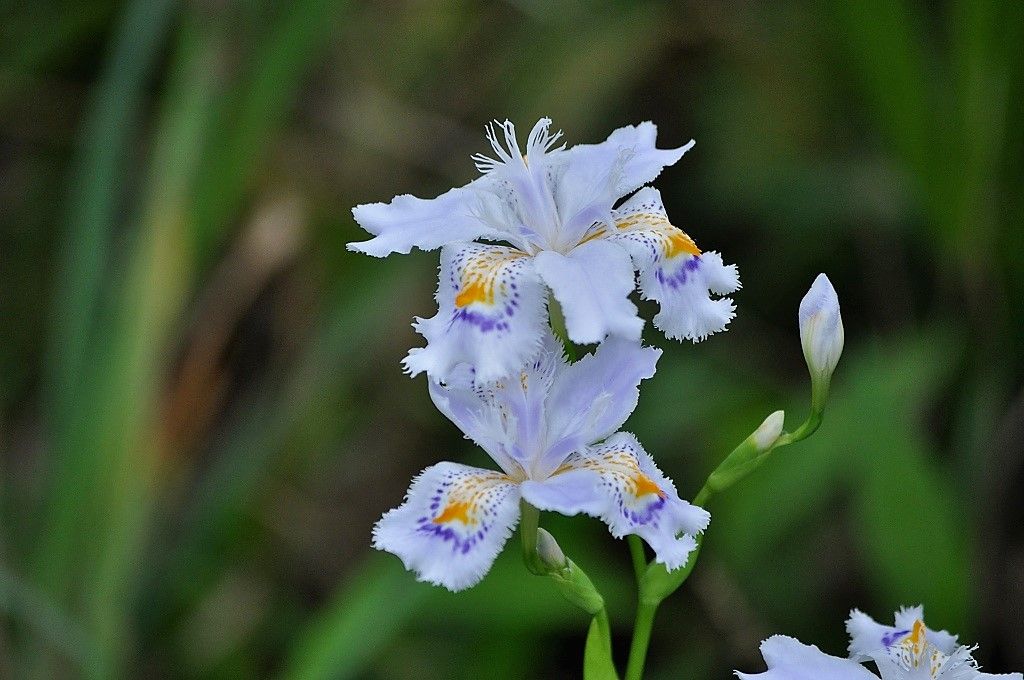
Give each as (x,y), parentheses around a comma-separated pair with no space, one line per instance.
(645,612)
(805,430)
(559,329)
(636,551)
(602,621)
(529,520)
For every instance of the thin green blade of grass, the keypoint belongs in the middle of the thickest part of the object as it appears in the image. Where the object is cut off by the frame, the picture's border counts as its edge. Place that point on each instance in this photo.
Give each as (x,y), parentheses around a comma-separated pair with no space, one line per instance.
(97,184)
(340,641)
(251,449)
(152,299)
(250,118)
(102,503)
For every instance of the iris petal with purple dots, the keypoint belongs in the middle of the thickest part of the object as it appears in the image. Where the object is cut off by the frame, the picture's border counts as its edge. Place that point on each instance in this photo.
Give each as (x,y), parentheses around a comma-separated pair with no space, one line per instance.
(673,271)
(491,311)
(906,651)
(618,482)
(454,522)
(554,207)
(551,430)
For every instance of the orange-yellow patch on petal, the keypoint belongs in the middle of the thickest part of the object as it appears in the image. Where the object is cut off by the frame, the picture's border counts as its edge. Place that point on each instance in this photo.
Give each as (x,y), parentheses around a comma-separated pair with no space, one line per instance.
(680,242)
(916,640)
(644,485)
(481,276)
(672,240)
(600,232)
(475,291)
(455,512)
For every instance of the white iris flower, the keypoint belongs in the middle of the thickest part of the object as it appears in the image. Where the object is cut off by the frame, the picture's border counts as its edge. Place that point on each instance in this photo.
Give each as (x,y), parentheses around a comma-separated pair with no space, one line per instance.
(907,650)
(553,432)
(559,212)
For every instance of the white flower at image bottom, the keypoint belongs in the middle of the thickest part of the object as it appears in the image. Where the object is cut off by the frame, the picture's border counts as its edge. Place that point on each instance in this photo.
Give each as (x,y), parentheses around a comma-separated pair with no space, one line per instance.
(906,651)
(556,209)
(553,432)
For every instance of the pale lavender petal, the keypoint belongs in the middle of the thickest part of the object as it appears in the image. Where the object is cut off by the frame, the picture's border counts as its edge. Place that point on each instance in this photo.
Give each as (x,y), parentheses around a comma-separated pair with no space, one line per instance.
(619,483)
(592,284)
(593,397)
(642,161)
(504,417)
(867,636)
(453,523)
(491,315)
(790,659)
(409,222)
(673,271)
(905,617)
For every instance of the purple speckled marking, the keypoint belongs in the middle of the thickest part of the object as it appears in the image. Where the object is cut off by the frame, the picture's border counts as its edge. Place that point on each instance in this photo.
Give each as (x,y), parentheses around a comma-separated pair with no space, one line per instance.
(889,638)
(460,544)
(678,278)
(461,538)
(483,322)
(648,515)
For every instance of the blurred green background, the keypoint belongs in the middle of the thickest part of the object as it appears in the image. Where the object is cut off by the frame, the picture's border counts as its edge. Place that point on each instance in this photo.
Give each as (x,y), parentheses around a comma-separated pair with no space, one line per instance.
(201,407)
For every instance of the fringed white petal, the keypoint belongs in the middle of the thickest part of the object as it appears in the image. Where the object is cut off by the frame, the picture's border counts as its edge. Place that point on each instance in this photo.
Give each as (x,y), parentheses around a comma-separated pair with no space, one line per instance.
(592,284)
(409,222)
(790,659)
(491,314)
(618,482)
(867,636)
(673,271)
(910,650)
(641,161)
(453,523)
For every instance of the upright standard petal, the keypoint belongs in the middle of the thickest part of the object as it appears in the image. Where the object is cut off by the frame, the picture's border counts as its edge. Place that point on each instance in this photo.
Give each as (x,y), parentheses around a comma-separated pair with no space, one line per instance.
(407,222)
(673,271)
(592,284)
(790,659)
(618,482)
(504,417)
(452,525)
(591,398)
(642,161)
(522,181)
(491,314)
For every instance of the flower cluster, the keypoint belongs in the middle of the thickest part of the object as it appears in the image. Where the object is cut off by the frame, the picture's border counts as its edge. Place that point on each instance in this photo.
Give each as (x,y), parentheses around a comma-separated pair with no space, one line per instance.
(557,226)
(580,225)
(907,650)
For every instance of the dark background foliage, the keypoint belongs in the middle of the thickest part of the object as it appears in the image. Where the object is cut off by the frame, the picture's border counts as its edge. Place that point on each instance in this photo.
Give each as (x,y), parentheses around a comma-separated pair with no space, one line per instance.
(201,407)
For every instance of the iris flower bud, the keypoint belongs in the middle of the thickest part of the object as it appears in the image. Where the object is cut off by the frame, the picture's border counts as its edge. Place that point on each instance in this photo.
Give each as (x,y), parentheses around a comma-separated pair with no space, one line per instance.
(821,335)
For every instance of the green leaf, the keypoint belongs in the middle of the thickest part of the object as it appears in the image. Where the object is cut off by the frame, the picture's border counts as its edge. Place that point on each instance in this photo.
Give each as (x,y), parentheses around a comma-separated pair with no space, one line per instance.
(597,656)
(914,535)
(351,630)
(253,114)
